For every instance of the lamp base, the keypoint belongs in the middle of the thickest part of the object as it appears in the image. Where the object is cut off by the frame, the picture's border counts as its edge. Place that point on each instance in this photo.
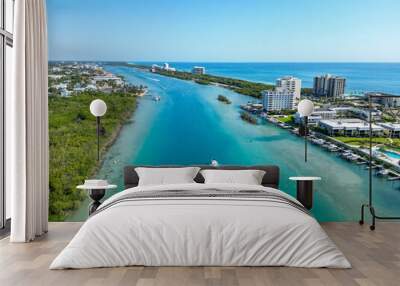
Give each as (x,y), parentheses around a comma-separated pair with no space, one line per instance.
(96,195)
(374,216)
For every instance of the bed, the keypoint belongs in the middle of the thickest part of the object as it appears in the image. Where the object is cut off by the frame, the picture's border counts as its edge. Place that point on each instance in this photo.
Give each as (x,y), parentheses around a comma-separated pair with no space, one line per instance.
(198,224)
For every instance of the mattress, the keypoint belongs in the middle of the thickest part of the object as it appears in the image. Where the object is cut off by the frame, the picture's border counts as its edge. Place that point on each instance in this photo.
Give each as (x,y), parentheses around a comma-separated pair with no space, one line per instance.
(201,225)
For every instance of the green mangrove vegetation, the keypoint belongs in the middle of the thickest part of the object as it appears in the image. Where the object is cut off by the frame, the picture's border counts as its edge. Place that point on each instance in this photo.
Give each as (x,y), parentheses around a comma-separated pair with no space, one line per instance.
(223,99)
(248,118)
(240,86)
(73,144)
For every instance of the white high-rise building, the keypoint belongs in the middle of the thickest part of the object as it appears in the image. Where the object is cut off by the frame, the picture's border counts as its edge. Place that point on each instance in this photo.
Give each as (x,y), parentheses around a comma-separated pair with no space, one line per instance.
(167,67)
(289,84)
(277,100)
(329,86)
(198,70)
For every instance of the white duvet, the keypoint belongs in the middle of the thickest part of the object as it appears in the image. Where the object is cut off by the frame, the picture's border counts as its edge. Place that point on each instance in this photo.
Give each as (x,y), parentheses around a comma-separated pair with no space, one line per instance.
(194,231)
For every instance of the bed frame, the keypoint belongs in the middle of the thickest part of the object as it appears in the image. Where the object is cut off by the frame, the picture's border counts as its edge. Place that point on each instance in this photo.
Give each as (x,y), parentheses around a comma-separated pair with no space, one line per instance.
(271,177)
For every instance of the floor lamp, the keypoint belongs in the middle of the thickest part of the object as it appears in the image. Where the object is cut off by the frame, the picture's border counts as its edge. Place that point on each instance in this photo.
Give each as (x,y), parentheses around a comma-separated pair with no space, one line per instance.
(98,108)
(305,109)
(369,205)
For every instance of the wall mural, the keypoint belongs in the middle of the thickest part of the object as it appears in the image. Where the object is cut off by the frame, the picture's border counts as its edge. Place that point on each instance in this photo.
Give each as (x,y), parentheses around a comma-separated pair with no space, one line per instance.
(185,113)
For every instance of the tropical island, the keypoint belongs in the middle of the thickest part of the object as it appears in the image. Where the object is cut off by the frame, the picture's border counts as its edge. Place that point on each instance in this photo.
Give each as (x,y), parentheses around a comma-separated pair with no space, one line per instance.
(240,86)
(248,118)
(223,99)
(72,128)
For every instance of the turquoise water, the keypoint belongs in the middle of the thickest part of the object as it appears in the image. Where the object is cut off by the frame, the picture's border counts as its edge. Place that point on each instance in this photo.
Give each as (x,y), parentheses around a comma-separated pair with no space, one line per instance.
(189,126)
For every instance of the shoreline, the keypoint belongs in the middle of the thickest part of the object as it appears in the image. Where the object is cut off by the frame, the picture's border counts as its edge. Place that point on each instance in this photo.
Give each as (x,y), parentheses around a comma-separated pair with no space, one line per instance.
(116,133)
(114,136)
(143,93)
(103,152)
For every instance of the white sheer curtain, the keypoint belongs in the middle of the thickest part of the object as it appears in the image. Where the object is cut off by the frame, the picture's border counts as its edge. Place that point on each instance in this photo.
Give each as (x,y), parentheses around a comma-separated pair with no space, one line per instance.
(27,123)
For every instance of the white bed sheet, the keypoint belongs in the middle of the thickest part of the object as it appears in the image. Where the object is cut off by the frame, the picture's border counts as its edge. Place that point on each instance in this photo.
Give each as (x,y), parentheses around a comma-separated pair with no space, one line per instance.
(200,232)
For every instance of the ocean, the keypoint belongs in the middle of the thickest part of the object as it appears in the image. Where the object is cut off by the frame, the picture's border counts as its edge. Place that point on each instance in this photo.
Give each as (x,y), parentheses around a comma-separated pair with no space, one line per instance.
(190,126)
(361,77)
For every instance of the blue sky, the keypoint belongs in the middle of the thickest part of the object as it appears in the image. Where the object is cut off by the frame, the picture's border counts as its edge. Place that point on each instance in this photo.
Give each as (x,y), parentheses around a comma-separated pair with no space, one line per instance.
(225,30)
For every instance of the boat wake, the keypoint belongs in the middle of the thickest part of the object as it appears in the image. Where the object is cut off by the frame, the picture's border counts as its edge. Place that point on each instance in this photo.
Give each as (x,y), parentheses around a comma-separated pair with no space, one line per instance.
(153,79)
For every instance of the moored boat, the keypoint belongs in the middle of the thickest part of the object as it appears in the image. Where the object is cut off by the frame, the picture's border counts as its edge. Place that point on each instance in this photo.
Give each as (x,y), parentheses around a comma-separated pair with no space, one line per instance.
(382,172)
(333,148)
(317,141)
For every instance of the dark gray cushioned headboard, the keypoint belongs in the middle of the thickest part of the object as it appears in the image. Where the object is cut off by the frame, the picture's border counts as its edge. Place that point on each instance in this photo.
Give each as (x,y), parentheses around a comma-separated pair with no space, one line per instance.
(271,177)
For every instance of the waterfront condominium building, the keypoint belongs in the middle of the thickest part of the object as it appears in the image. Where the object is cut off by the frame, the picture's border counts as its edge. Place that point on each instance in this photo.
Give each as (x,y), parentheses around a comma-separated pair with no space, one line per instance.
(316,116)
(277,100)
(393,129)
(385,99)
(289,84)
(198,70)
(352,127)
(329,86)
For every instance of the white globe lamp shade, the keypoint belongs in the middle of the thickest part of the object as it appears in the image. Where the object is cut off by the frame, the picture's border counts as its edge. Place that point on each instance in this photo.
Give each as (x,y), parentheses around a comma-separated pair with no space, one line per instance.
(305,107)
(98,107)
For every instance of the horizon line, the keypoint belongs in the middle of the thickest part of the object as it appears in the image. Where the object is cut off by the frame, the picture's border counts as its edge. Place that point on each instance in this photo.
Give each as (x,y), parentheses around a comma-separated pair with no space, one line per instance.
(232,62)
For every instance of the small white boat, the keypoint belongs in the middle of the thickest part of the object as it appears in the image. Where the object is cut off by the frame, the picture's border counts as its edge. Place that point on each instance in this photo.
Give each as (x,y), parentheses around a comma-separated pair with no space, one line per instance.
(382,172)
(374,166)
(361,161)
(346,154)
(333,148)
(353,157)
(156,98)
(284,125)
(350,156)
(326,145)
(318,141)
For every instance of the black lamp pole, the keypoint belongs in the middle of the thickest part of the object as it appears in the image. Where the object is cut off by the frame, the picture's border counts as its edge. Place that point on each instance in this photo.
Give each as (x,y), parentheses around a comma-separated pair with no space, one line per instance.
(98,136)
(305,137)
(98,108)
(305,108)
(370,156)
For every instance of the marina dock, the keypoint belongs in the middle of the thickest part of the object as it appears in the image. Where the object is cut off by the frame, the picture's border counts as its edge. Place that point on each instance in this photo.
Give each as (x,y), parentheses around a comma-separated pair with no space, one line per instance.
(382,167)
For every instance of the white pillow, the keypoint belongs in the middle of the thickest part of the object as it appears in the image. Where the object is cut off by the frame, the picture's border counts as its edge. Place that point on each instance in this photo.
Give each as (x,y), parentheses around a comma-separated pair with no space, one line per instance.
(165,176)
(248,177)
